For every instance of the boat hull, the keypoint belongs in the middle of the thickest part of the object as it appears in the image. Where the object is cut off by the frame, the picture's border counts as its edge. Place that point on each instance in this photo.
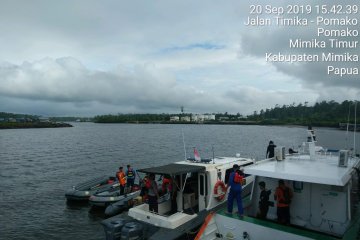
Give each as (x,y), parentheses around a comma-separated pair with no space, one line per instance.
(83,191)
(104,201)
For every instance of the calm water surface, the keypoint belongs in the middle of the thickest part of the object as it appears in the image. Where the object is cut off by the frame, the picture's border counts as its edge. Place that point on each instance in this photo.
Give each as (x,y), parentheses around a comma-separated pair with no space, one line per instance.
(37,166)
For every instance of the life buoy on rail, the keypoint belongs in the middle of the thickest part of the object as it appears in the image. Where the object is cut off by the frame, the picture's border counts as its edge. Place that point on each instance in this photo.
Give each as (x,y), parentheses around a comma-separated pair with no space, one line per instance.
(220,195)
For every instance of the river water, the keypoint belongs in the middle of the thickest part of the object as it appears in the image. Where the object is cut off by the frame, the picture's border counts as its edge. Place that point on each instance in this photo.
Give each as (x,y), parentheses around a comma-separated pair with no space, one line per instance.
(37,166)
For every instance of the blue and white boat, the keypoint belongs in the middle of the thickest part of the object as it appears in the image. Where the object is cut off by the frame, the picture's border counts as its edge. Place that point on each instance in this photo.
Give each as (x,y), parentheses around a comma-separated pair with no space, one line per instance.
(199,187)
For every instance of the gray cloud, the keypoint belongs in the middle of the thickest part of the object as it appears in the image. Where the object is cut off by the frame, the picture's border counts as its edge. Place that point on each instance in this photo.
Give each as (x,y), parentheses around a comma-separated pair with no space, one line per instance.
(140,56)
(263,40)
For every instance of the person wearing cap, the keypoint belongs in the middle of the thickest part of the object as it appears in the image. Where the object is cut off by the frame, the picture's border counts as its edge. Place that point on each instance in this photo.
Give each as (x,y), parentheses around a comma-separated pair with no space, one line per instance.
(270,151)
(234,193)
(264,200)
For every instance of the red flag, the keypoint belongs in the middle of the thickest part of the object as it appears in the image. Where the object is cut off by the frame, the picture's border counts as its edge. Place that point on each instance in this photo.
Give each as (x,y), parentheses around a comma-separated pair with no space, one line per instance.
(196,155)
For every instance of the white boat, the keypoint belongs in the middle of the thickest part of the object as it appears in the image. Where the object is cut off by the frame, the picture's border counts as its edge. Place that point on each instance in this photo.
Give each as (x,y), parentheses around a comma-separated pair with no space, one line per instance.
(324,204)
(200,189)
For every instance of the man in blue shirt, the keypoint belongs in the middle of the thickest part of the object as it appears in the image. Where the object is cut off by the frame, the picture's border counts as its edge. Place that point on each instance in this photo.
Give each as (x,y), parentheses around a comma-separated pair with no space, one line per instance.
(234,193)
(130,178)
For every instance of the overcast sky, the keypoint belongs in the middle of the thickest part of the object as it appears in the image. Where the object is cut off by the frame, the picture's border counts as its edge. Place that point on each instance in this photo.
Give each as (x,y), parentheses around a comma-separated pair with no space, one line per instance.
(86,57)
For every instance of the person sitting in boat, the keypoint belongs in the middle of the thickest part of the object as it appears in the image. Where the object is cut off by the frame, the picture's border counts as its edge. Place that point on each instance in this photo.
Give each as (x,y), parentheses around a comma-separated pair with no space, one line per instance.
(153,194)
(264,200)
(235,180)
(120,175)
(283,195)
(270,151)
(130,178)
(292,151)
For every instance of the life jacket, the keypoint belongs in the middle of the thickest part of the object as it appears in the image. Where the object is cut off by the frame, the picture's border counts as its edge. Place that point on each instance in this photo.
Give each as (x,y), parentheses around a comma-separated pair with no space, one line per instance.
(166,182)
(286,195)
(130,173)
(283,197)
(238,178)
(147,184)
(121,177)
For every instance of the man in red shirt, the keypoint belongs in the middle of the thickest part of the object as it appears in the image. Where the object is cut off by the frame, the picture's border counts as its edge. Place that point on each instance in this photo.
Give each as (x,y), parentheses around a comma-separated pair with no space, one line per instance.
(283,196)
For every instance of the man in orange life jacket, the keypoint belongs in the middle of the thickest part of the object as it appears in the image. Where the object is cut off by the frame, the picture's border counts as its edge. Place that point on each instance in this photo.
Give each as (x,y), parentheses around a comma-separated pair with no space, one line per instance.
(120,175)
(130,178)
(283,195)
(235,180)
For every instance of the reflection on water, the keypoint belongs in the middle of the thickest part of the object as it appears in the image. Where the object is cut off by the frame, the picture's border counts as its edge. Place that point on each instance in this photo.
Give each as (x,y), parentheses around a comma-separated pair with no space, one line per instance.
(39,165)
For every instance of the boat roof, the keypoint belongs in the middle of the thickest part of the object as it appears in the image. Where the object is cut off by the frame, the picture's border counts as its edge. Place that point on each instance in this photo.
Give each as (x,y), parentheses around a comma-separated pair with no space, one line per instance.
(173,169)
(323,169)
(192,166)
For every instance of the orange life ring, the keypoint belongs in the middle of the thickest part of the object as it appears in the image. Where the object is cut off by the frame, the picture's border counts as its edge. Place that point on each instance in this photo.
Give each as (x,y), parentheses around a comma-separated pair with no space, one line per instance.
(220,196)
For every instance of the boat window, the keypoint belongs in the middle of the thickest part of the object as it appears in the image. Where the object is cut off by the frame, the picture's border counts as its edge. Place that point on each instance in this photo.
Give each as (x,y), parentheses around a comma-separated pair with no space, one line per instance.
(201,185)
(298,186)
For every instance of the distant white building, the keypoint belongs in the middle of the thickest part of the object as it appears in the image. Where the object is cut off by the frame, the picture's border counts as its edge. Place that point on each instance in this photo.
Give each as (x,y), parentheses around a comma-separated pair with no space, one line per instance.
(201,117)
(174,118)
(209,117)
(194,117)
(185,119)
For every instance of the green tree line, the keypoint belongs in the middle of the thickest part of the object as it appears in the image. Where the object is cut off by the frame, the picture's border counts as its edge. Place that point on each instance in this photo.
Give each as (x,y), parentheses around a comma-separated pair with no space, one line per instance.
(127,118)
(325,113)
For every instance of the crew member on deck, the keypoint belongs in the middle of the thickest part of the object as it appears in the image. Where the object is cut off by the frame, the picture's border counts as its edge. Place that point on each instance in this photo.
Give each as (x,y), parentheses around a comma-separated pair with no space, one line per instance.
(270,151)
(120,175)
(130,178)
(235,181)
(153,194)
(264,200)
(283,196)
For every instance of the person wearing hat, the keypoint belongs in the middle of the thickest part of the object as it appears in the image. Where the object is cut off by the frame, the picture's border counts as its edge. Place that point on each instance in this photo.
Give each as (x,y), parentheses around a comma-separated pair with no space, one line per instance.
(234,193)
(264,200)
(270,151)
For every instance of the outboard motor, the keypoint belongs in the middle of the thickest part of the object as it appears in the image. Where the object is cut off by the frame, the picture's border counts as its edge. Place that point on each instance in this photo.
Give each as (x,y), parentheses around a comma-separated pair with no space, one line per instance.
(113,228)
(132,230)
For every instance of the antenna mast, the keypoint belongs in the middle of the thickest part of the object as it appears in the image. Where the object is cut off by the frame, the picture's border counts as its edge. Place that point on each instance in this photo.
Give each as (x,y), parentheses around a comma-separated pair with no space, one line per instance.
(355,129)
(347,128)
(213,153)
(182,131)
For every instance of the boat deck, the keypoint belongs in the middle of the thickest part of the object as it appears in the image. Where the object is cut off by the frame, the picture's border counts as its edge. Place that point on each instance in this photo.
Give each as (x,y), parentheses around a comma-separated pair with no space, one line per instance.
(283,228)
(323,170)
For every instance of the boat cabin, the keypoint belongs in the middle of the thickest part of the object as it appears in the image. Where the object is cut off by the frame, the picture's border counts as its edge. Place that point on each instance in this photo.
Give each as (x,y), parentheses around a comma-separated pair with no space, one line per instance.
(325,197)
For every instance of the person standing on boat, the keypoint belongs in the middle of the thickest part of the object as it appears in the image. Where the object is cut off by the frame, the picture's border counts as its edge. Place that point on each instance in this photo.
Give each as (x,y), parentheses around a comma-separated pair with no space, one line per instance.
(264,200)
(270,151)
(130,178)
(283,196)
(153,194)
(235,180)
(120,175)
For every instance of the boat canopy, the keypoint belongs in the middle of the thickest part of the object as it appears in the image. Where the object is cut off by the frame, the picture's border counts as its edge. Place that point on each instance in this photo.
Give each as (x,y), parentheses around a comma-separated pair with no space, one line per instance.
(173,169)
(323,170)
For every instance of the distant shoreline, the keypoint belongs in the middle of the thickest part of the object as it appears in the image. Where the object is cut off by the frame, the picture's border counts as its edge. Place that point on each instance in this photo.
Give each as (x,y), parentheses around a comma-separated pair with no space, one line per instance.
(333,126)
(16,125)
